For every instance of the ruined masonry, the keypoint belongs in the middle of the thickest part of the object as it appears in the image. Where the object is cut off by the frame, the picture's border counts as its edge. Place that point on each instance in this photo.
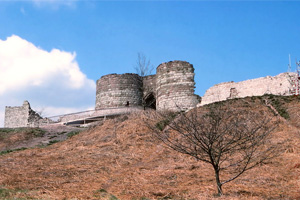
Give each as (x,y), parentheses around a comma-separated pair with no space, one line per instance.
(21,116)
(175,86)
(172,88)
(277,85)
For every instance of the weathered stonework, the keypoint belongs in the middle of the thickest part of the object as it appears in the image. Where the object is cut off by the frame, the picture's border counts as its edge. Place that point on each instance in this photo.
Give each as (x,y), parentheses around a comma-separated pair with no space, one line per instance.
(149,85)
(21,116)
(149,91)
(172,88)
(277,85)
(175,86)
(117,90)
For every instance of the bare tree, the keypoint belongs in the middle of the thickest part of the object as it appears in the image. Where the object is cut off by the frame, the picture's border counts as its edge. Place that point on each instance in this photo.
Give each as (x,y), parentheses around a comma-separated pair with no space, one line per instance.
(230,140)
(143,66)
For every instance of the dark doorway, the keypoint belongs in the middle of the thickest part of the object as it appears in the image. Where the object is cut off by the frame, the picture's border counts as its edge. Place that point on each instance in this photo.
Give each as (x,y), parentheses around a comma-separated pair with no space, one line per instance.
(150,101)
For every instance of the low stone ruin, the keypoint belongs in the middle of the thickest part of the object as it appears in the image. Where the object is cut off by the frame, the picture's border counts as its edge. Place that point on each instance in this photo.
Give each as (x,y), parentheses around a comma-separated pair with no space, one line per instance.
(277,85)
(23,116)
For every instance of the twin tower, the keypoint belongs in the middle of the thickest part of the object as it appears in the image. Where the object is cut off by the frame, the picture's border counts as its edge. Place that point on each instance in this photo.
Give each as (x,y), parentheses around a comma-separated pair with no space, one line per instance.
(172,88)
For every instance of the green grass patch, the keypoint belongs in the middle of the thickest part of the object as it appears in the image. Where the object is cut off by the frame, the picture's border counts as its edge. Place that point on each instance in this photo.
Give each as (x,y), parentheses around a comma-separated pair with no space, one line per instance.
(7,130)
(30,132)
(72,133)
(278,105)
(103,194)
(278,102)
(12,194)
(11,150)
(53,142)
(36,132)
(165,121)
(101,190)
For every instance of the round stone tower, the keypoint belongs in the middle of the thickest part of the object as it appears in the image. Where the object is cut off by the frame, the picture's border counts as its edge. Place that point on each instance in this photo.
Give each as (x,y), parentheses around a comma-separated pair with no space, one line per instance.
(175,86)
(118,90)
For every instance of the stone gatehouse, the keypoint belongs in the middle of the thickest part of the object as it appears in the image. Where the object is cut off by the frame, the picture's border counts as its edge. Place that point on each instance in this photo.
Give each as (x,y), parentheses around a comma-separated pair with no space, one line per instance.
(172,88)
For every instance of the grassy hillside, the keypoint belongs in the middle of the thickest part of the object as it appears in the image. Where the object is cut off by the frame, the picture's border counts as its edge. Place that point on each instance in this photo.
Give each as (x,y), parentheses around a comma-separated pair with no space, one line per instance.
(121,159)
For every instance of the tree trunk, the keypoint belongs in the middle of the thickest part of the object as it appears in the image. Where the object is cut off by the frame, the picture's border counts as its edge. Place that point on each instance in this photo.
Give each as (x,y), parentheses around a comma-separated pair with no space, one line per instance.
(219,185)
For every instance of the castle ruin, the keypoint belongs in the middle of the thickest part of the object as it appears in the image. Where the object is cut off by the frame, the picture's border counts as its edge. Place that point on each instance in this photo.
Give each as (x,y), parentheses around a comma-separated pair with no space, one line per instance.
(172,88)
(21,116)
(175,86)
(277,85)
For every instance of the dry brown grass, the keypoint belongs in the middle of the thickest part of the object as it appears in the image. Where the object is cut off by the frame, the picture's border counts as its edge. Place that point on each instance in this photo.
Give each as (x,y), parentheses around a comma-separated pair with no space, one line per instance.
(122,157)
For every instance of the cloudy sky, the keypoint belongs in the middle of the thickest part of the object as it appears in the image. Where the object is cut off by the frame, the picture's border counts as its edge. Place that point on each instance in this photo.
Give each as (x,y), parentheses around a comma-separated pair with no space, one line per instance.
(52,52)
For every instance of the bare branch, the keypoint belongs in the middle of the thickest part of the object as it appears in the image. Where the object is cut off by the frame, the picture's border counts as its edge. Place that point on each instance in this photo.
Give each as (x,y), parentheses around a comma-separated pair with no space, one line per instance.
(229,139)
(143,66)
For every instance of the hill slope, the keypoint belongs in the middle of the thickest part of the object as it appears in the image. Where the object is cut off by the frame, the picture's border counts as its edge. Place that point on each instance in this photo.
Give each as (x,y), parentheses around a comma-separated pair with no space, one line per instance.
(123,158)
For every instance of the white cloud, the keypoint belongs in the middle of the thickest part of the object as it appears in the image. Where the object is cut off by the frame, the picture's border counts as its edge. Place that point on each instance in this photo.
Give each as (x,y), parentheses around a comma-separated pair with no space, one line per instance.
(46,79)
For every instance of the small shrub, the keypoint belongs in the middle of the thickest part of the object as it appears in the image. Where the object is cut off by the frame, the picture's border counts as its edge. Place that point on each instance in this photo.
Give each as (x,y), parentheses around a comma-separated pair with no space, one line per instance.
(72,133)
(52,142)
(287,99)
(162,124)
(167,119)
(4,193)
(101,190)
(112,197)
(102,193)
(283,113)
(8,194)
(280,109)
(37,132)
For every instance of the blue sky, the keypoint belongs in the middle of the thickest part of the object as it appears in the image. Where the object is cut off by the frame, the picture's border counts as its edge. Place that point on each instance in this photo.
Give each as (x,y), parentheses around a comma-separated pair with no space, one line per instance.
(224,40)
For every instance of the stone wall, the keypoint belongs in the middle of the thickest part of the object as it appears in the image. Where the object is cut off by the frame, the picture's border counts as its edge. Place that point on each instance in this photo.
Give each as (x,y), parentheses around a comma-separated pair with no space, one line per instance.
(172,88)
(175,86)
(117,90)
(149,91)
(277,85)
(149,85)
(21,116)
